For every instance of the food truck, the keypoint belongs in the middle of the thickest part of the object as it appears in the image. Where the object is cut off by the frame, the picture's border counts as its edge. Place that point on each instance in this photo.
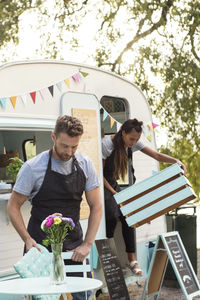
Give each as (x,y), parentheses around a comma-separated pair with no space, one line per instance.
(32,95)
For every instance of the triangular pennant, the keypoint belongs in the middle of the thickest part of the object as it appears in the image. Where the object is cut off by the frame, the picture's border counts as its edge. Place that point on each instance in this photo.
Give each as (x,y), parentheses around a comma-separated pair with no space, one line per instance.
(42,94)
(59,86)
(84,74)
(76,77)
(112,121)
(150,126)
(33,96)
(154,125)
(118,126)
(24,98)
(67,81)
(3,102)
(51,90)
(144,130)
(149,138)
(13,100)
(105,114)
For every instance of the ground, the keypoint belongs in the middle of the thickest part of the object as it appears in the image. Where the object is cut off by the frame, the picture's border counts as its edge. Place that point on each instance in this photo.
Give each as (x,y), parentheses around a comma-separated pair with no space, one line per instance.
(167,293)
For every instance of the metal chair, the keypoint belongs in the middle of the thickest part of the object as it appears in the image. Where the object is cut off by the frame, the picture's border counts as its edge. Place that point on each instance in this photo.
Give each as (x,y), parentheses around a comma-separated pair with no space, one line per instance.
(84,268)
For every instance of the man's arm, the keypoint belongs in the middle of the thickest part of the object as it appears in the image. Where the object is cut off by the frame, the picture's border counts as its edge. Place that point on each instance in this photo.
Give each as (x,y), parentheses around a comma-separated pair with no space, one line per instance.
(95,203)
(14,205)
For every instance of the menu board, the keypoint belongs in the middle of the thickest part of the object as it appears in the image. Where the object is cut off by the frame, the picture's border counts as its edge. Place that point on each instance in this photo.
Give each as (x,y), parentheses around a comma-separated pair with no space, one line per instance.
(88,145)
(182,264)
(169,245)
(112,269)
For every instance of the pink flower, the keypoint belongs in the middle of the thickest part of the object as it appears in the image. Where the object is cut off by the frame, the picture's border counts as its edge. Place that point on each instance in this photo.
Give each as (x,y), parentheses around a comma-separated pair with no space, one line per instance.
(49,221)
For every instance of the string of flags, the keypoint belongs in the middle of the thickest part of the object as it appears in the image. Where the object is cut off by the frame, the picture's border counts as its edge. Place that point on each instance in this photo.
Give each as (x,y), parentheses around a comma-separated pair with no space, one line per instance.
(76,78)
(50,91)
(146,129)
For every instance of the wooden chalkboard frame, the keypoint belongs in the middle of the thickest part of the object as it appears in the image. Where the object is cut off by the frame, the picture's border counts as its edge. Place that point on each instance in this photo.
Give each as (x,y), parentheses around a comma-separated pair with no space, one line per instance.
(112,269)
(169,246)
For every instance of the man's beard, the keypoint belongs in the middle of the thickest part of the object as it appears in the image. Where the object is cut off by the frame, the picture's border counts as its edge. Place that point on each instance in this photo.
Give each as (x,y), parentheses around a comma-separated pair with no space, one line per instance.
(63,157)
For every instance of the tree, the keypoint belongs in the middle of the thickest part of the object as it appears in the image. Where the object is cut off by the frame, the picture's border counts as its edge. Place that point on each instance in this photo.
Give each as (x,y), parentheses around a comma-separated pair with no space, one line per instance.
(186,153)
(154,43)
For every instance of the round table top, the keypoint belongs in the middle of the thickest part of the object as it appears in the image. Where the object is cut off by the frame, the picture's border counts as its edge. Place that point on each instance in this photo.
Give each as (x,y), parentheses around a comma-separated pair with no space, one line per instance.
(42,285)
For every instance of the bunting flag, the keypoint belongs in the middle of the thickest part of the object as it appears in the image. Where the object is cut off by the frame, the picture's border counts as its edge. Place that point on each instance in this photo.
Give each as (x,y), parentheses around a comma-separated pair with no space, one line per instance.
(105,114)
(51,89)
(59,86)
(13,100)
(76,77)
(84,74)
(3,102)
(118,126)
(150,126)
(112,121)
(149,138)
(46,91)
(67,81)
(42,94)
(144,130)
(154,125)
(33,96)
(24,98)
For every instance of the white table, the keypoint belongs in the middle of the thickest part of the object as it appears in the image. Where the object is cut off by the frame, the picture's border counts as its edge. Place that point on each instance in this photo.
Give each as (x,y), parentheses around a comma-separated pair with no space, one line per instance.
(42,286)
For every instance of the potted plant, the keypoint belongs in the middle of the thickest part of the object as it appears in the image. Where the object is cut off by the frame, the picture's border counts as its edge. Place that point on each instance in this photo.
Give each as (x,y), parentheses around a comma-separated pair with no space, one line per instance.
(13,167)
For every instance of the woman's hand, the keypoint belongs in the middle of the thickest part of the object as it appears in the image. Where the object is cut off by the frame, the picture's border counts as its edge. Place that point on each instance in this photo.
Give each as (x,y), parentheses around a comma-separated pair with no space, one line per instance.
(182,166)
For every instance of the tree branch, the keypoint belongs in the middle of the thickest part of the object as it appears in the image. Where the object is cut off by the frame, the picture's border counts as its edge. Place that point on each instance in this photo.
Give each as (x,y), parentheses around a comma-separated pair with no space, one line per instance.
(191,34)
(138,36)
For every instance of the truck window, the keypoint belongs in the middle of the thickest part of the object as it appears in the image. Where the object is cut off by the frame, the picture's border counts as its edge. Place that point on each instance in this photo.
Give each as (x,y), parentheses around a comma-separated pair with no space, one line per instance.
(118,109)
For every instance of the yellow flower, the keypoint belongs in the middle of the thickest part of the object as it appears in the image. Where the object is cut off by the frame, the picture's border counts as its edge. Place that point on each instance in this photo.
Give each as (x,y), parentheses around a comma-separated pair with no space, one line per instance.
(57,221)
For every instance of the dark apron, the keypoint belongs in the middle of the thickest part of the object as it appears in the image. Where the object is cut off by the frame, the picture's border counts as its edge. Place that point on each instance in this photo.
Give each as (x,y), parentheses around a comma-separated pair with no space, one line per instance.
(112,210)
(59,193)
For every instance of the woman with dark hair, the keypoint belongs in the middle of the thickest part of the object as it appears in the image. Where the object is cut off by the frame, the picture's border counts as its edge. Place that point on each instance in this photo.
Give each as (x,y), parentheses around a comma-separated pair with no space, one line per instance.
(117,152)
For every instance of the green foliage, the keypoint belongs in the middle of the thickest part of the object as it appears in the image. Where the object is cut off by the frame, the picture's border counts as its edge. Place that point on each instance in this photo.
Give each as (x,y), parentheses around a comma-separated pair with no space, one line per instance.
(185,152)
(13,168)
(153,43)
(10,13)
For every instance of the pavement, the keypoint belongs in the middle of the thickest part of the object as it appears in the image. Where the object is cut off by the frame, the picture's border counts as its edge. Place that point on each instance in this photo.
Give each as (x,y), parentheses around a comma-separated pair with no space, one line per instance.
(167,293)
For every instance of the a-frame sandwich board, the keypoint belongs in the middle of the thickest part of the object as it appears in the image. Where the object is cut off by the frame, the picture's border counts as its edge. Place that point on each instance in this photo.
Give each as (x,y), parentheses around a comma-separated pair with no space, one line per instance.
(169,246)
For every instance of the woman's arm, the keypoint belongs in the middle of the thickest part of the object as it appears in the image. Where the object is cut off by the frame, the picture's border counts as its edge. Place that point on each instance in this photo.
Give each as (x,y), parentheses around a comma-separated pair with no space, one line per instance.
(163,157)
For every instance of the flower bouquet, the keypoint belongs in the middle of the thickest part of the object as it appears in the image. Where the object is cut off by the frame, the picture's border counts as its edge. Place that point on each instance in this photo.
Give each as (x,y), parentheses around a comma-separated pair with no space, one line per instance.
(56,228)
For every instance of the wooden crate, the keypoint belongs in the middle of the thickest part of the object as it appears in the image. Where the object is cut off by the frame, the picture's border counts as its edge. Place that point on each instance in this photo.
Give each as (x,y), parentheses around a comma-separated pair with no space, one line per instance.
(154,196)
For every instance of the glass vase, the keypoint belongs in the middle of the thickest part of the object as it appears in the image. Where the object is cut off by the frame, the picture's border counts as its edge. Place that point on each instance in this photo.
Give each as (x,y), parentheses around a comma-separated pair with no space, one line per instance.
(57,270)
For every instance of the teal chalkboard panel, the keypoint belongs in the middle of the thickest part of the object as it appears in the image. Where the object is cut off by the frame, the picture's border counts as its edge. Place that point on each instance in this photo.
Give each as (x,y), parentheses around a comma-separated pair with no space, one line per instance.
(169,246)
(181,263)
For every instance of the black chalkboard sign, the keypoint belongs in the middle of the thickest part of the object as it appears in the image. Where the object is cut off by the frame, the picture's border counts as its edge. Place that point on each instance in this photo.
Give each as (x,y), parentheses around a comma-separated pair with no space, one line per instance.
(112,269)
(169,245)
(181,264)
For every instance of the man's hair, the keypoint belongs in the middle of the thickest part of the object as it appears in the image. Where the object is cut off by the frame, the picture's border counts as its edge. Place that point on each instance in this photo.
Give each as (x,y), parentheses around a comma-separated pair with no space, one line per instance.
(69,125)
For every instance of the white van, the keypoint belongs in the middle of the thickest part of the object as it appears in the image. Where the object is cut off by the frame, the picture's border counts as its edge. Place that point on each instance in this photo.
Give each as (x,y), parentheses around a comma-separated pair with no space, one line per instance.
(32,95)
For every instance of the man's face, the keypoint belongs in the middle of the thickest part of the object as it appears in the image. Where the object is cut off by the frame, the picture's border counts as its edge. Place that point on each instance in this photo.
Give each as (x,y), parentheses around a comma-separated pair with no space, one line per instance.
(64,146)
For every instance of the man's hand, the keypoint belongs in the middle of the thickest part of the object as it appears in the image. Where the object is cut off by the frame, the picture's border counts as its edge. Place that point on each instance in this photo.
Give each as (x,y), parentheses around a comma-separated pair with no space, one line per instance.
(81,252)
(31,243)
